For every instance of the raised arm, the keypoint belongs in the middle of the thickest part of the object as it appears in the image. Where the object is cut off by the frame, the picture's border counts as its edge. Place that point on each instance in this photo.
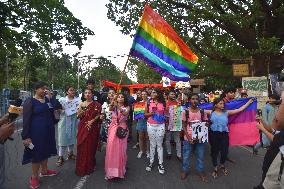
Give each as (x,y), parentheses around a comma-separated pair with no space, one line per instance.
(232,112)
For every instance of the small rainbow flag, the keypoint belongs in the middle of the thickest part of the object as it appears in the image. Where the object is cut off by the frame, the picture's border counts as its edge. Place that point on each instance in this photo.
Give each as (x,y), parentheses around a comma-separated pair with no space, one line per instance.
(138,110)
(159,46)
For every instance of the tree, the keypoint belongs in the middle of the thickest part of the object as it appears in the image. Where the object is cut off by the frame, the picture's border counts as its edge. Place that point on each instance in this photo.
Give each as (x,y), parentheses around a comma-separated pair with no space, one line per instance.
(26,25)
(143,73)
(27,31)
(104,69)
(221,30)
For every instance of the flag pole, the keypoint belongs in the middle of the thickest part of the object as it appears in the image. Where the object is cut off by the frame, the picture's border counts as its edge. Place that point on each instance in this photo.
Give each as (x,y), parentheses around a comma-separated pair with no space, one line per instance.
(123,71)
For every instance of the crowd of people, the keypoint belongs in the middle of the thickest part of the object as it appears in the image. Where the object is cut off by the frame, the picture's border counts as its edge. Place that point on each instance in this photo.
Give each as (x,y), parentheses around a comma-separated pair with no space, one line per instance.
(98,121)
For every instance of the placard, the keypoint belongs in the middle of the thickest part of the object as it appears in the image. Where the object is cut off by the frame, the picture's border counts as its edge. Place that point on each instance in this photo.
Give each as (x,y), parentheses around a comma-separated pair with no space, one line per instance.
(200,132)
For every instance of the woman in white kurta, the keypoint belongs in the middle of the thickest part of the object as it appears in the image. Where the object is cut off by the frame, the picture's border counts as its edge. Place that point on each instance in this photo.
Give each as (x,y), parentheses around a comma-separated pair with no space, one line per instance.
(67,126)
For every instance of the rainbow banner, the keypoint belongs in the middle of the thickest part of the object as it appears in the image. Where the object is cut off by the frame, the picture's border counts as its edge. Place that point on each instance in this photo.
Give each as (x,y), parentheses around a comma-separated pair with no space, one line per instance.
(159,46)
(242,126)
(138,110)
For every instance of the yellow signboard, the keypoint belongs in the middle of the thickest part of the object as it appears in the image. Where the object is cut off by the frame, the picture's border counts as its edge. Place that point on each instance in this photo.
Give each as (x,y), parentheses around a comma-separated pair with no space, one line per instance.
(241,69)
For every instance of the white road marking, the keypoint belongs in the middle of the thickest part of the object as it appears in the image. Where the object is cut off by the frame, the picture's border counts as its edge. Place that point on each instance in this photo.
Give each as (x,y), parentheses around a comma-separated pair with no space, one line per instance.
(81,182)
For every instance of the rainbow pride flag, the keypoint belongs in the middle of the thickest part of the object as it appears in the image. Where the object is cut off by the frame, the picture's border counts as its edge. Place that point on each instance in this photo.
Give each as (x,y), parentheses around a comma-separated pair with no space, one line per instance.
(138,110)
(242,126)
(158,45)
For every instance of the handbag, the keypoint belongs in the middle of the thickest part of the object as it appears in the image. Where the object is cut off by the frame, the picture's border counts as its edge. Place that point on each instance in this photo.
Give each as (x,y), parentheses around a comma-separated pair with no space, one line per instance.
(120,132)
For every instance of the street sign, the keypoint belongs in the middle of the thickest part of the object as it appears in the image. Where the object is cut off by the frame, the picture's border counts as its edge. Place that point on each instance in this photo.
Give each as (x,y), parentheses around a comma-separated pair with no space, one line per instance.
(241,69)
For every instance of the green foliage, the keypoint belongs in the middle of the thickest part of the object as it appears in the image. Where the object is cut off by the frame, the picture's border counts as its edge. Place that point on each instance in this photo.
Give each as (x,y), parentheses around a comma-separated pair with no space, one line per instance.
(143,73)
(27,30)
(105,70)
(26,25)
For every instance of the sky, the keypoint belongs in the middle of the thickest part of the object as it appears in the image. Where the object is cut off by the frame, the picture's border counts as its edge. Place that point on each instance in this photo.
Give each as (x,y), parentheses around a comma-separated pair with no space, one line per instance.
(108,40)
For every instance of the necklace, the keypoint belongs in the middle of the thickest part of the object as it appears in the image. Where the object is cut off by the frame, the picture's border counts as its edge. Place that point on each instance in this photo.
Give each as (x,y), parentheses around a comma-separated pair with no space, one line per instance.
(42,100)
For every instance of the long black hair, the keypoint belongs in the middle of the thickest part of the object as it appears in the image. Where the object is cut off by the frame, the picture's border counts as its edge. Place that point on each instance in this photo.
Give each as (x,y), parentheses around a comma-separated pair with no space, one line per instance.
(160,97)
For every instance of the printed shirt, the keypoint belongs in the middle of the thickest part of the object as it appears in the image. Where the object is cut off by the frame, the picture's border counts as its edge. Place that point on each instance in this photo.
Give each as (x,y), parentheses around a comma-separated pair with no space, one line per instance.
(192,117)
(69,106)
(160,113)
(105,110)
(175,118)
(219,122)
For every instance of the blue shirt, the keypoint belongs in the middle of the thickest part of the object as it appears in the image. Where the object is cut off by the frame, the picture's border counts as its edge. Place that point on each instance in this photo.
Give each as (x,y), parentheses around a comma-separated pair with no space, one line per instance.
(219,122)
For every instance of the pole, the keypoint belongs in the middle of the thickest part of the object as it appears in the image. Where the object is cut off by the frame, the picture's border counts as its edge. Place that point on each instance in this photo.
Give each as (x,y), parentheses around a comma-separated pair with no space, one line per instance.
(123,71)
(7,71)
(78,74)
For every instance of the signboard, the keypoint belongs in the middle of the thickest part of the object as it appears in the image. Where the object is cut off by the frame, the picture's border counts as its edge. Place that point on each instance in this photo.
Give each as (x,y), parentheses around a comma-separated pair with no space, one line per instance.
(257,87)
(241,69)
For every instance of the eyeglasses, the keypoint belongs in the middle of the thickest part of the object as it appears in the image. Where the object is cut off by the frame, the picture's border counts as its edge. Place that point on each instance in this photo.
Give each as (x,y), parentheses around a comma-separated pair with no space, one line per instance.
(194,98)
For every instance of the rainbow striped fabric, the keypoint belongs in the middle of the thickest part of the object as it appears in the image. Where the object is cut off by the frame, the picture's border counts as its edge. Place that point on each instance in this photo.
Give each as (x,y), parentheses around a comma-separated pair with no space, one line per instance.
(138,110)
(159,46)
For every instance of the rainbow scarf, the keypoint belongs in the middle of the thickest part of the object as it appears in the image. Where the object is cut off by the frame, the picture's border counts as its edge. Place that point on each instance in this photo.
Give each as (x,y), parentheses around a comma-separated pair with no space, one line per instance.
(175,118)
(242,126)
(138,110)
(159,46)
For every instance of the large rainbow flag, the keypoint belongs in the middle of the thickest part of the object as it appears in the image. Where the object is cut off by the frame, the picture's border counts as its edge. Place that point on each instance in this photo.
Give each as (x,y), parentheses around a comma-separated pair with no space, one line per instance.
(242,126)
(159,46)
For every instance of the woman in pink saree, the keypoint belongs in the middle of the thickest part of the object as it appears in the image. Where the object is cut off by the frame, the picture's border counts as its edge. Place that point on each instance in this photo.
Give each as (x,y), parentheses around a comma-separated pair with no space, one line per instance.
(116,157)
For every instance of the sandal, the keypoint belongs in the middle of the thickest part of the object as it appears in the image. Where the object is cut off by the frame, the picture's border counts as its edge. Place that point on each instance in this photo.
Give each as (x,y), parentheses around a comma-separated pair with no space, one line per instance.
(71,157)
(60,161)
(203,177)
(215,173)
(224,170)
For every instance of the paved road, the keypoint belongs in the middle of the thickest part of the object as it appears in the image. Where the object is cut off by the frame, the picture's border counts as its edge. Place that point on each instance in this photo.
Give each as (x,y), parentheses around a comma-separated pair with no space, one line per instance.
(244,174)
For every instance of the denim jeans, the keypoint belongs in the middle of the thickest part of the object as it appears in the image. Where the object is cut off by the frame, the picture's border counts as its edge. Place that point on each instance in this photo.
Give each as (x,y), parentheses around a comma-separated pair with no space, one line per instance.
(265,142)
(199,153)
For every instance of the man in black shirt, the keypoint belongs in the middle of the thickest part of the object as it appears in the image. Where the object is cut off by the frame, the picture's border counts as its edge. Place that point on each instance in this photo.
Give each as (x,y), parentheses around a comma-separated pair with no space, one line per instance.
(91,85)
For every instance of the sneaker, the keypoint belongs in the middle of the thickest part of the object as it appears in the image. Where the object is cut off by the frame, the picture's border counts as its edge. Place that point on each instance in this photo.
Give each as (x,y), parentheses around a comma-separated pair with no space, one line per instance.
(161,169)
(34,183)
(135,146)
(149,167)
(49,173)
(139,155)
(148,155)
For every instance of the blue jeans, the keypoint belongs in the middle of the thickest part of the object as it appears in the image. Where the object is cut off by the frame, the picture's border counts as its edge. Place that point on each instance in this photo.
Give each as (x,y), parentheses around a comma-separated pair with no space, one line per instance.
(199,153)
(265,142)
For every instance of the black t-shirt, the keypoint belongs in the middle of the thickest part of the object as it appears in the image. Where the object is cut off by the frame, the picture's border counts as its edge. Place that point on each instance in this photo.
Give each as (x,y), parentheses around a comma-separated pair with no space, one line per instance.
(272,152)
